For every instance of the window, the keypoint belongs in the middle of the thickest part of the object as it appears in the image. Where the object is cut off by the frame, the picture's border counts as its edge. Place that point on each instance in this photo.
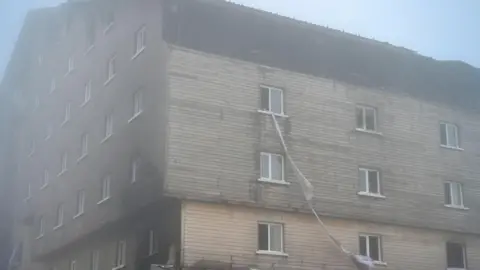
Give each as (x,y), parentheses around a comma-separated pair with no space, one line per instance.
(271,99)
(73,265)
(64,163)
(94,260)
(105,189)
(31,151)
(140,40)
(41,226)
(453,194)
(366,118)
(36,103)
(108,126)
(49,132)
(369,181)
(29,192)
(137,103)
(449,135)
(271,167)
(109,19)
(53,85)
(88,92)
(66,117)
(456,256)
(371,246)
(45,179)
(270,237)
(152,243)
(59,219)
(80,202)
(84,146)
(90,34)
(71,64)
(120,254)
(135,169)
(111,71)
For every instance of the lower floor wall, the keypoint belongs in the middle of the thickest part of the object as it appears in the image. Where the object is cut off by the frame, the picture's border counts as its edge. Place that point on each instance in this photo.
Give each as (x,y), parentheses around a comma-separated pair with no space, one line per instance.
(230,234)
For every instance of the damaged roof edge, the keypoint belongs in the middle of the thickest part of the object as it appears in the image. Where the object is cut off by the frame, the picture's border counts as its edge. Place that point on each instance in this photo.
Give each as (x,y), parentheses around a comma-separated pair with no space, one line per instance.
(236,31)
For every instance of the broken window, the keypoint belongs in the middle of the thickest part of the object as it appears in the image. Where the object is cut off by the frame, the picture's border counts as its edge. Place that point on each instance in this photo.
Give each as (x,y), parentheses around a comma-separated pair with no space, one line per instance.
(456,256)
(270,237)
(449,135)
(369,181)
(271,167)
(370,245)
(454,194)
(271,99)
(366,118)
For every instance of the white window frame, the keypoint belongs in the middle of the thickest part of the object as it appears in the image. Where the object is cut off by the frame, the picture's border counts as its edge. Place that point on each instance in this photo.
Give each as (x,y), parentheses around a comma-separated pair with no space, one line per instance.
(83,146)
(41,227)
(464,256)
(364,108)
(368,192)
(269,178)
(73,265)
(33,147)
(152,243)
(88,93)
(140,40)
(456,144)
(460,186)
(53,85)
(59,216)
(45,179)
(270,89)
(68,112)
(137,105)
(105,188)
(108,126)
(111,68)
(80,207)
(120,254)
(29,192)
(71,64)
(367,248)
(49,132)
(64,163)
(270,251)
(135,166)
(95,260)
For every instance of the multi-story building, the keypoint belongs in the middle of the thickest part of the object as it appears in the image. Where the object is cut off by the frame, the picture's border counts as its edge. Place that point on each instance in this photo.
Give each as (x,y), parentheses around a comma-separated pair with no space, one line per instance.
(144,127)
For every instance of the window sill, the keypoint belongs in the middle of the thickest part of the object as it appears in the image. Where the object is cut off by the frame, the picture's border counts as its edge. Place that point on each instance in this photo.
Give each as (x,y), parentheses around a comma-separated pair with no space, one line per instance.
(89,49)
(64,123)
(69,72)
(105,139)
(380,263)
(452,147)
(47,138)
(369,131)
(118,267)
(57,227)
(135,116)
(103,201)
(368,194)
(84,103)
(78,215)
(138,53)
(278,182)
(456,207)
(39,237)
(109,79)
(270,113)
(61,173)
(44,187)
(82,157)
(27,199)
(271,253)
(108,28)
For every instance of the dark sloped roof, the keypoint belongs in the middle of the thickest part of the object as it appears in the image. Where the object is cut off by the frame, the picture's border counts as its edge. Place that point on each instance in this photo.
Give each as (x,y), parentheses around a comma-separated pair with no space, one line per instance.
(236,31)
